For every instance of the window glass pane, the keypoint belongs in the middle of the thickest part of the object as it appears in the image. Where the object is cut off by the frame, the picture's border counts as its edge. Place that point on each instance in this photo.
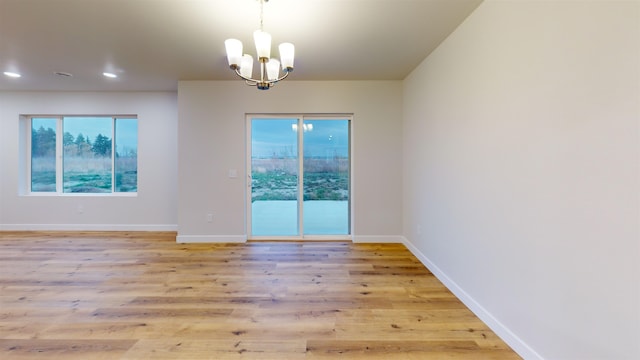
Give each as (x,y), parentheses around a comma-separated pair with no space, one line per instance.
(126,160)
(43,154)
(87,154)
(326,177)
(274,177)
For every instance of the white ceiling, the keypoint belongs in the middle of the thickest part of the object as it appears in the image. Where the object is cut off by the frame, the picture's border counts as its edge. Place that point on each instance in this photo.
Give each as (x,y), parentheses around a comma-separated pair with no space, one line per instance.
(152,44)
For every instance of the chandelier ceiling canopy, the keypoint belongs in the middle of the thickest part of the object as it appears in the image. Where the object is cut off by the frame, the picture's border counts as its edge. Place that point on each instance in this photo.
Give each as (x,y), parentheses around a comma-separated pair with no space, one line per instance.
(269,67)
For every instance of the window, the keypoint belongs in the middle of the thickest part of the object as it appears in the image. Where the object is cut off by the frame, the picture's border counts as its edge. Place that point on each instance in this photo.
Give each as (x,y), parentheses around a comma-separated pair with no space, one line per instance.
(83,154)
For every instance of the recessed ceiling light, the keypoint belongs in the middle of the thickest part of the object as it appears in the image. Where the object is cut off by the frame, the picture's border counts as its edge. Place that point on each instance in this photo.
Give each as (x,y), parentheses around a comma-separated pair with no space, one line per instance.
(12,74)
(109,75)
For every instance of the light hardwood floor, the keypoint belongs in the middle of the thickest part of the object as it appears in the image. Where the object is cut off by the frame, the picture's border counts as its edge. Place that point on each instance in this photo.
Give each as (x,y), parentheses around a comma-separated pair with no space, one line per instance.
(143,296)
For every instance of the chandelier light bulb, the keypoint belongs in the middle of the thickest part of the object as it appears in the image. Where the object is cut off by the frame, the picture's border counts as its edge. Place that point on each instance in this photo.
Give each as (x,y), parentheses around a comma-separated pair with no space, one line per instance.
(273,69)
(287,51)
(234,51)
(263,44)
(246,67)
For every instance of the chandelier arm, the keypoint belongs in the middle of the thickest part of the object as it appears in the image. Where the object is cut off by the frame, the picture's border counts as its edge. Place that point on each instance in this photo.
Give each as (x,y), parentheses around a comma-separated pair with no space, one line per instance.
(237,71)
(253,82)
(249,81)
(273,82)
(264,83)
(286,73)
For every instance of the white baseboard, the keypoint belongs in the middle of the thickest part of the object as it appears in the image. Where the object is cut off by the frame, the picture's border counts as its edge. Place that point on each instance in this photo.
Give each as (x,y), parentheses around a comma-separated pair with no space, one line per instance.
(211,239)
(87,227)
(378,239)
(243,238)
(494,324)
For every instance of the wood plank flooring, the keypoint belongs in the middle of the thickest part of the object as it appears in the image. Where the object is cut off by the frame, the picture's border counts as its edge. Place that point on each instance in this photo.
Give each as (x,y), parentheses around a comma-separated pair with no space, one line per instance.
(143,296)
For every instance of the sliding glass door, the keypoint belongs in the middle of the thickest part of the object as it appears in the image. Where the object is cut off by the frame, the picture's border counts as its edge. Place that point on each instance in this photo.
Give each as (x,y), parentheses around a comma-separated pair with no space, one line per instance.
(299,183)
(326,176)
(274,177)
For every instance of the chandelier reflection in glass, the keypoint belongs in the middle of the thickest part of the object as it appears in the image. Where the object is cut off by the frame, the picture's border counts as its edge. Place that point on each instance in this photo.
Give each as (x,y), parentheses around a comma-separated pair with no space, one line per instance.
(269,68)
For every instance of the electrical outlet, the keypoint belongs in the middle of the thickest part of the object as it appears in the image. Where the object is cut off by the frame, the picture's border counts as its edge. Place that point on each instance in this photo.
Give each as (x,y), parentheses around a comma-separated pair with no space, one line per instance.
(209,217)
(80,209)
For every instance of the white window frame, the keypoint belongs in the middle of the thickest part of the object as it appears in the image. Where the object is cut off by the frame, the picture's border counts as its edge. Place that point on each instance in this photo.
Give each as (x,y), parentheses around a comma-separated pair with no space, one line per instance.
(60,156)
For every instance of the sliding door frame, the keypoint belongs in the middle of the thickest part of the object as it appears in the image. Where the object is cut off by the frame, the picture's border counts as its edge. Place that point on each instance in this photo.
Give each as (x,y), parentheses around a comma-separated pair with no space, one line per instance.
(301,118)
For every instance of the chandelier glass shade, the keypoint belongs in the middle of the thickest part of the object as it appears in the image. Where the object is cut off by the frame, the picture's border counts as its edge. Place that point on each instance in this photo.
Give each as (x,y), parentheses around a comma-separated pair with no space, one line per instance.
(269,67)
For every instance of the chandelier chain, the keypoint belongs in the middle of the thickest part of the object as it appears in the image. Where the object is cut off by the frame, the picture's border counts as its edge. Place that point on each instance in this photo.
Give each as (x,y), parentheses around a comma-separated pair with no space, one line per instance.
(261,13)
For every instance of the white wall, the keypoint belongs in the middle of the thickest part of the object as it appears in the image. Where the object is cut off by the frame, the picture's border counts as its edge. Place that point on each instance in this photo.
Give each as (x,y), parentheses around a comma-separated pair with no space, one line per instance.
(212,141)
(154,207)
(521,173)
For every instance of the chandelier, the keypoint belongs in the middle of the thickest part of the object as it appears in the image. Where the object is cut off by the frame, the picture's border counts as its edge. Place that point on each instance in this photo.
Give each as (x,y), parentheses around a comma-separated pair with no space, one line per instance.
(269,68)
